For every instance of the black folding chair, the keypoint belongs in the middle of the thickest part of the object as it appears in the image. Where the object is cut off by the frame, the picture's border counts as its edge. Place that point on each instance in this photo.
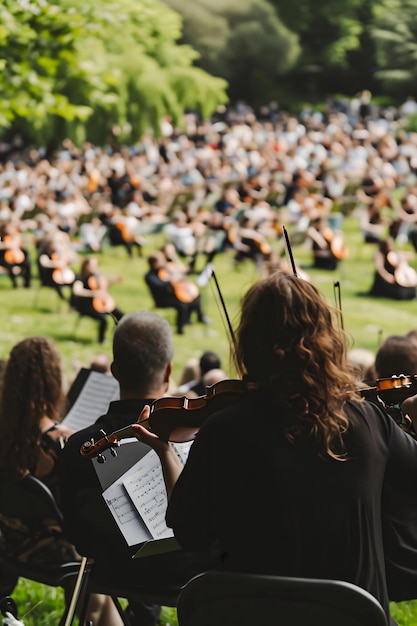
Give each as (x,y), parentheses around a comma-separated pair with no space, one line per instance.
(19,503)
(222,599)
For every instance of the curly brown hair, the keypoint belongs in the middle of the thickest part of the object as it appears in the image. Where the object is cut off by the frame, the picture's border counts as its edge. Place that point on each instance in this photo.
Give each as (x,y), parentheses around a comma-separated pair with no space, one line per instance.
(32,389)
(287,345)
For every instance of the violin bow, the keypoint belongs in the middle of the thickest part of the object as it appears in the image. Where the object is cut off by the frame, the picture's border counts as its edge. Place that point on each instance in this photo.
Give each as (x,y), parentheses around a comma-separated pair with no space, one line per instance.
(338,300)
(289,251)
(210,273)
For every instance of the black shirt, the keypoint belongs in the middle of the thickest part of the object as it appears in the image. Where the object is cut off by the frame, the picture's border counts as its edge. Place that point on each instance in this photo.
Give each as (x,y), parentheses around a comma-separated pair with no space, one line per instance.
(276,508)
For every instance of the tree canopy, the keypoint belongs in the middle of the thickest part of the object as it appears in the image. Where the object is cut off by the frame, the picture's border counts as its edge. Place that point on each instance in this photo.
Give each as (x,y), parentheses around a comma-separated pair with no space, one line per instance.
(72,68)
(242,41)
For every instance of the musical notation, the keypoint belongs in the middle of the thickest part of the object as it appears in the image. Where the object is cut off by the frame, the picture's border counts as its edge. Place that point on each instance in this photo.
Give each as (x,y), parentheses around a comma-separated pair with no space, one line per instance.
(98,391)
(146,488)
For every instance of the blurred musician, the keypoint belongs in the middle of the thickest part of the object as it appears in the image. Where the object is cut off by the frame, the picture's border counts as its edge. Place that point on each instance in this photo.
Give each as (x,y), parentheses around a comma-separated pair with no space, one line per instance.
(170,289)
(13,256)
(90,296)
(54,259)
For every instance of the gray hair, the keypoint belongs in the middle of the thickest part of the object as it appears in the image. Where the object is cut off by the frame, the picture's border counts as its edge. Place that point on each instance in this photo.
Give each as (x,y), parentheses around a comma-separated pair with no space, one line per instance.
(143,346)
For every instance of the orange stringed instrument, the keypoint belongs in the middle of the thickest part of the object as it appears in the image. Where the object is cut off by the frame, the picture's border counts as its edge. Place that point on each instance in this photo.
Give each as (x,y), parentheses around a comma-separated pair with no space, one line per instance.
(390,393)
(13,254)
(62,275)
(185,290)
(103,303)
(336,243)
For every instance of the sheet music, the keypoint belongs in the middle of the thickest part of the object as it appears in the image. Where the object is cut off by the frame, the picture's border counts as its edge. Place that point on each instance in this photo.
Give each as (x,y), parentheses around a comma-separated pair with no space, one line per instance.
(182,450)
(146,487)
(124,512)
(94,399)
(137,498)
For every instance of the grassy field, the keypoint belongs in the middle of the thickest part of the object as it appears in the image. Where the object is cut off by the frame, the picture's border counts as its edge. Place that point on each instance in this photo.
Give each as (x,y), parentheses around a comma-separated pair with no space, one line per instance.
(39,312)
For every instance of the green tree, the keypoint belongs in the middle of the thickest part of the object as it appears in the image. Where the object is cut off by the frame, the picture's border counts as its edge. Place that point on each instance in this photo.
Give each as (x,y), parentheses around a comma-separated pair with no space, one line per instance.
(395,34)
(82,70)
(38,59)
(242,41)
(328,29)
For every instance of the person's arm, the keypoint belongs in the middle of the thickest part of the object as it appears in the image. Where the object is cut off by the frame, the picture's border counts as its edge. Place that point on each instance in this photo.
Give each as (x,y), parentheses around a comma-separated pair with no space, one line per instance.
(79,290)
(171,465)
(409,407)
(380,268)
(46,261)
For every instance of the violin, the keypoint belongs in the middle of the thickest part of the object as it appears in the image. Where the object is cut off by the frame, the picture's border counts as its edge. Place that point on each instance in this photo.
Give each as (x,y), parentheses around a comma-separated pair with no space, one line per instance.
(174,419)
(13,254)
(103,302)
(185,290)
(390,393)
(61,274)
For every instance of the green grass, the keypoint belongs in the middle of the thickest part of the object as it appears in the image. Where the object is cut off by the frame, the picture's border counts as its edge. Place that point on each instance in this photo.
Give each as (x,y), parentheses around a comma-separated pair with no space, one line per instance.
(27,312)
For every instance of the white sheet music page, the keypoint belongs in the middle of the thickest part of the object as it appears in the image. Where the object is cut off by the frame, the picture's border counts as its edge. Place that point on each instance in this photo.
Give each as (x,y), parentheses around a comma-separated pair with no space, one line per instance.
(146,487)
(125,514)
(94,399)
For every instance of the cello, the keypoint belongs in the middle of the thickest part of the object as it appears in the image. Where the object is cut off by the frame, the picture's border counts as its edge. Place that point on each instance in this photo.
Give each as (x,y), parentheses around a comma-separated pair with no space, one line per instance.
(185,290)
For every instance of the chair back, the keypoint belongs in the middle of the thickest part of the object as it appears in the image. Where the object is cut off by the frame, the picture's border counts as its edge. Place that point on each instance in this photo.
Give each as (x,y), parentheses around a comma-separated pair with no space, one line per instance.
(223,599)
(32,545)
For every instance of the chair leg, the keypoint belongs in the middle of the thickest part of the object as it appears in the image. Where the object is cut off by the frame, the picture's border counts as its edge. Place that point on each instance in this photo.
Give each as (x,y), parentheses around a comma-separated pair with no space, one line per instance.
(80,583)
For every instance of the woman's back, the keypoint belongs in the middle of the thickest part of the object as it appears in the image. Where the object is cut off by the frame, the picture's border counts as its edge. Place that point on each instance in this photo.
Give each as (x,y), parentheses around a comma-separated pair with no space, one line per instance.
(275,507)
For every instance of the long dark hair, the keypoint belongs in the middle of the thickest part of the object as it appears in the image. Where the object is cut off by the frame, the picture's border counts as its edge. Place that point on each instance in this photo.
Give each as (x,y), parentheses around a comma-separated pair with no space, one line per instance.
(32,389)
(286,343)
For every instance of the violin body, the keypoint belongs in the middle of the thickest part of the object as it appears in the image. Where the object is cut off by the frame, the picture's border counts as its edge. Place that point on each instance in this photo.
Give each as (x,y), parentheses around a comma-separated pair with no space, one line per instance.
(184,290)
(389,393)
(175,419)
(63,276)
(13,255)
(103,303)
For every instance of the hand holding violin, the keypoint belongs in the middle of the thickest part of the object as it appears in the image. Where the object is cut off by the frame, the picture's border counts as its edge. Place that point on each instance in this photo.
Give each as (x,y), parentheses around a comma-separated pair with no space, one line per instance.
(171,465)
(145,435)
(409,407)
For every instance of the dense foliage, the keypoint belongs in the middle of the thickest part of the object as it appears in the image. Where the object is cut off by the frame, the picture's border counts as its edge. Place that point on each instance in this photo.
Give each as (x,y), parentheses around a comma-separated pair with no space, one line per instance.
(78,69)
(113,69)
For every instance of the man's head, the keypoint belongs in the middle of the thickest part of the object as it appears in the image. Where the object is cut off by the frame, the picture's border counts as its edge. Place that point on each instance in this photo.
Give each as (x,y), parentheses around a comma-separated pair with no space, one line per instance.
(208,361)
(143,349)
(396,355)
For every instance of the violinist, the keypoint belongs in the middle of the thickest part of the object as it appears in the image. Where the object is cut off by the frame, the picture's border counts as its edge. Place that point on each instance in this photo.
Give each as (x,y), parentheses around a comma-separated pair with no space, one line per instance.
(250,243)
(170,289)
(394,277)
(143,351)
(54,263)
(301,442)
(90,296)
(13,256)
(327,245)
(32,438)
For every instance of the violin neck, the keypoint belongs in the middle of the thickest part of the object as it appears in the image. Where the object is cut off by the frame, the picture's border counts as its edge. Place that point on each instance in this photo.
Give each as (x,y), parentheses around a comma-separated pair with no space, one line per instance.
(123,433)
